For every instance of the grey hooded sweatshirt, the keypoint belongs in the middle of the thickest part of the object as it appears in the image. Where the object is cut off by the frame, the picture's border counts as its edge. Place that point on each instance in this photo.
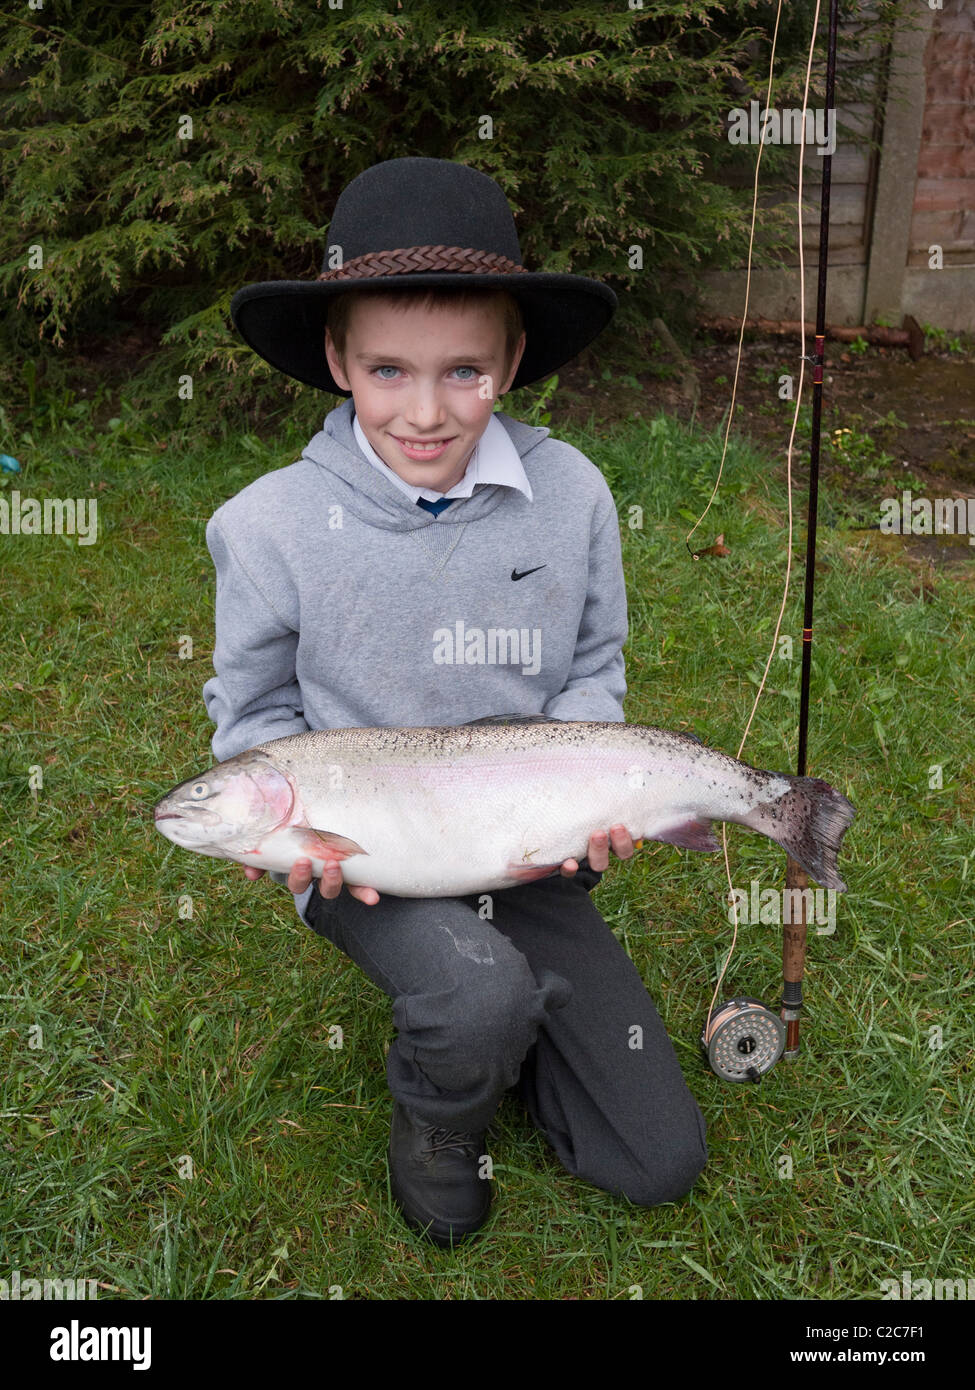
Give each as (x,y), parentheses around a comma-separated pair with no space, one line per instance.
(342,603)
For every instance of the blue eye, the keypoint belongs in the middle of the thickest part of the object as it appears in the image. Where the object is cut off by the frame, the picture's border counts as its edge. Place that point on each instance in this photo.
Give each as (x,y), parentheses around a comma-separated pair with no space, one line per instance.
(378,372)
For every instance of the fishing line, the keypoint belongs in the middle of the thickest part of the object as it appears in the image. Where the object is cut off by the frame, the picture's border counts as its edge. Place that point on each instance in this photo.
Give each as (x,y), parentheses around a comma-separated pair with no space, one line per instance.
(743,1039)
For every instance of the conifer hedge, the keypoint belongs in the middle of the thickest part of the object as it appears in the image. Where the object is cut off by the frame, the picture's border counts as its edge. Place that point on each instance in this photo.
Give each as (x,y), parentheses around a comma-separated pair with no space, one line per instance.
(155,157)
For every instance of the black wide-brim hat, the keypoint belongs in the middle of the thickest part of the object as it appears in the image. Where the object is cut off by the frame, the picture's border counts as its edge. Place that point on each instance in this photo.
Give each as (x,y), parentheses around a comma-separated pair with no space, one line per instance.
(421,223)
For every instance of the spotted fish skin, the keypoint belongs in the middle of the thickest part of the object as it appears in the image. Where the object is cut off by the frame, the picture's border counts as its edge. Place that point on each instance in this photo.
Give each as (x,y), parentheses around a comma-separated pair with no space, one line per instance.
(448,811)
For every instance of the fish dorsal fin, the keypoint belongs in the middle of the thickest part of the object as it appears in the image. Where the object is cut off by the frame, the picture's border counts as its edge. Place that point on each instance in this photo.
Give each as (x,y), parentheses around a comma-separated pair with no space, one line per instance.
(683,733)
(512,719)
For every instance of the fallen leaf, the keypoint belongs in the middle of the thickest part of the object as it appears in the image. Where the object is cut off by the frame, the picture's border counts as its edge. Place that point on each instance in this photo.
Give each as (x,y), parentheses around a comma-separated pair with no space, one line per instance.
(718,548)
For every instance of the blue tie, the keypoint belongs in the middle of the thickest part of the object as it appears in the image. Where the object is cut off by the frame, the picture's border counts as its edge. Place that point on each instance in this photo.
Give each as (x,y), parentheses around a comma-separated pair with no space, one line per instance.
(435,507)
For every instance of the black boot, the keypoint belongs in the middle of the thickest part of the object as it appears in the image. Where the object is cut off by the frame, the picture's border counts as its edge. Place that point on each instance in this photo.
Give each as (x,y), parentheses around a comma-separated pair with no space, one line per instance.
(434,1178)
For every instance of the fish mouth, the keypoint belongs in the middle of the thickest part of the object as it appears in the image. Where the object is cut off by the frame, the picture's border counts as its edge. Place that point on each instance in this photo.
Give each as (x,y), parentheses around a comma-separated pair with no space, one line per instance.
(195,815)
(190,832)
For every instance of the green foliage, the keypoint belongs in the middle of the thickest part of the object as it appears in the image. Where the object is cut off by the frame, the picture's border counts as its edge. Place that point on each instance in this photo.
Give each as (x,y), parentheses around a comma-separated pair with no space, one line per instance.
(938,340)
(158,157)
(858,448)
(536,413)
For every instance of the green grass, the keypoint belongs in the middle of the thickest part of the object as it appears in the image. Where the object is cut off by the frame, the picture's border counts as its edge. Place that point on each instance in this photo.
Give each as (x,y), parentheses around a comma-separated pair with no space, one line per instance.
(164,1034)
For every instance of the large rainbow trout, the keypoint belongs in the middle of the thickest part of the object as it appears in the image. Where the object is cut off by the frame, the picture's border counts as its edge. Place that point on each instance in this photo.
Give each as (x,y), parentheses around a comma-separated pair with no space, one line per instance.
(443,812)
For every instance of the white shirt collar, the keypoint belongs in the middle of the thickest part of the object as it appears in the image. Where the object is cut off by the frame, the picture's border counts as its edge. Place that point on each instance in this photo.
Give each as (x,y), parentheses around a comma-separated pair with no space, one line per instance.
(494,460)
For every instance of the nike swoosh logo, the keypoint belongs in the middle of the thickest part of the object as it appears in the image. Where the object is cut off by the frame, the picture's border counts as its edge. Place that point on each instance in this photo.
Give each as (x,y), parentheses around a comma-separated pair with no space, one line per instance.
(516,576)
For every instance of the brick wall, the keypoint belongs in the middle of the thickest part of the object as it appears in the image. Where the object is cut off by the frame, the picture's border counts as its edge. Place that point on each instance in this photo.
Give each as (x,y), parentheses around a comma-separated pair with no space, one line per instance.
(944,195)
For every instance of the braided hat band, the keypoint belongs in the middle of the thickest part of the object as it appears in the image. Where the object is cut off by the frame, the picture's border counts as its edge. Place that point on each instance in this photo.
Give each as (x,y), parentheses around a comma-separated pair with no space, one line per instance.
(406,260)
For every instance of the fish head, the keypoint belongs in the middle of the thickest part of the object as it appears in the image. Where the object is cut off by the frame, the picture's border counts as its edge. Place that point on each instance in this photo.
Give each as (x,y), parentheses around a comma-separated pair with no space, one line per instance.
(226,811)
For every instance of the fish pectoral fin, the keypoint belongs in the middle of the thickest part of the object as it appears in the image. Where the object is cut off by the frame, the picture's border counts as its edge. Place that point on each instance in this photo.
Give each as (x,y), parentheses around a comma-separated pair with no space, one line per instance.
(326,843)
(689,834)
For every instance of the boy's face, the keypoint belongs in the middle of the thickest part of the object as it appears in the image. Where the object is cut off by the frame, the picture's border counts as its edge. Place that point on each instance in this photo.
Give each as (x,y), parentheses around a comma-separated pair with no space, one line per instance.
(418,375)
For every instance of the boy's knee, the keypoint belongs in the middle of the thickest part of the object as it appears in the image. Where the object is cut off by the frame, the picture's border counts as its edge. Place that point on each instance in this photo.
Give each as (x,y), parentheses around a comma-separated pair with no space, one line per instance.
(491,1012)
(668,1182)
(671,1176)
(666,1176)
(503,1009)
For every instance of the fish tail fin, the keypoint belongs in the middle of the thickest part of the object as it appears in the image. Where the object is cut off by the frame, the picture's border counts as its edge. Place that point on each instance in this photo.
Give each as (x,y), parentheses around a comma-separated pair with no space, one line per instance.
(808,822)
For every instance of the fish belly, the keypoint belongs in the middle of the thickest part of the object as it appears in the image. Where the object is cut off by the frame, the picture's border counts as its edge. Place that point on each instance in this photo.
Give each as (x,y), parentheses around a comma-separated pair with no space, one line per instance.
(453,830)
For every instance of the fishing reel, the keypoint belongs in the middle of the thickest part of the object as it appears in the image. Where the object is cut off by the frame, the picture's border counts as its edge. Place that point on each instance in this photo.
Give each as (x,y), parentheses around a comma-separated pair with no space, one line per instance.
(742,1040)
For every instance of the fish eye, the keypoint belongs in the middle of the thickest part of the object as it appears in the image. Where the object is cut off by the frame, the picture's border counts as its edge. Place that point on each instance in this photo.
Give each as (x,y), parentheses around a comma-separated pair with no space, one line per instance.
(199,790)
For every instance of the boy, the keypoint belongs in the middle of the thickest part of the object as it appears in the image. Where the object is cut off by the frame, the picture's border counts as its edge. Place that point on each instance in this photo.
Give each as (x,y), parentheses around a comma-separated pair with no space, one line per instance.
(364,585)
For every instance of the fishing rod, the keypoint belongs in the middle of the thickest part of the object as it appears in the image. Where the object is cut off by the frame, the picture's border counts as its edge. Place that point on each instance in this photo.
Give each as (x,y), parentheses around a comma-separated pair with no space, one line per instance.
(743,1039)
(794,933)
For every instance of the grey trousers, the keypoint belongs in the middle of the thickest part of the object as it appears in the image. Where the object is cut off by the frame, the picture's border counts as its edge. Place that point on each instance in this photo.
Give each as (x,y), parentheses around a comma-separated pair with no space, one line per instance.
(540,997)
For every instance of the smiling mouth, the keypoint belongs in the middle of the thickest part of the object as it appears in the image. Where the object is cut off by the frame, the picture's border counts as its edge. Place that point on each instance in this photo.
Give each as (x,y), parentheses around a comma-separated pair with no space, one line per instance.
(421,443)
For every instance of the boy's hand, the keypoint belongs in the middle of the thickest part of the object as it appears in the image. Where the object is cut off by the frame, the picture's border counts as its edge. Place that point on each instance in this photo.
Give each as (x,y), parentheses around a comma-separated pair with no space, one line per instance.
(598,854)
(330,884)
